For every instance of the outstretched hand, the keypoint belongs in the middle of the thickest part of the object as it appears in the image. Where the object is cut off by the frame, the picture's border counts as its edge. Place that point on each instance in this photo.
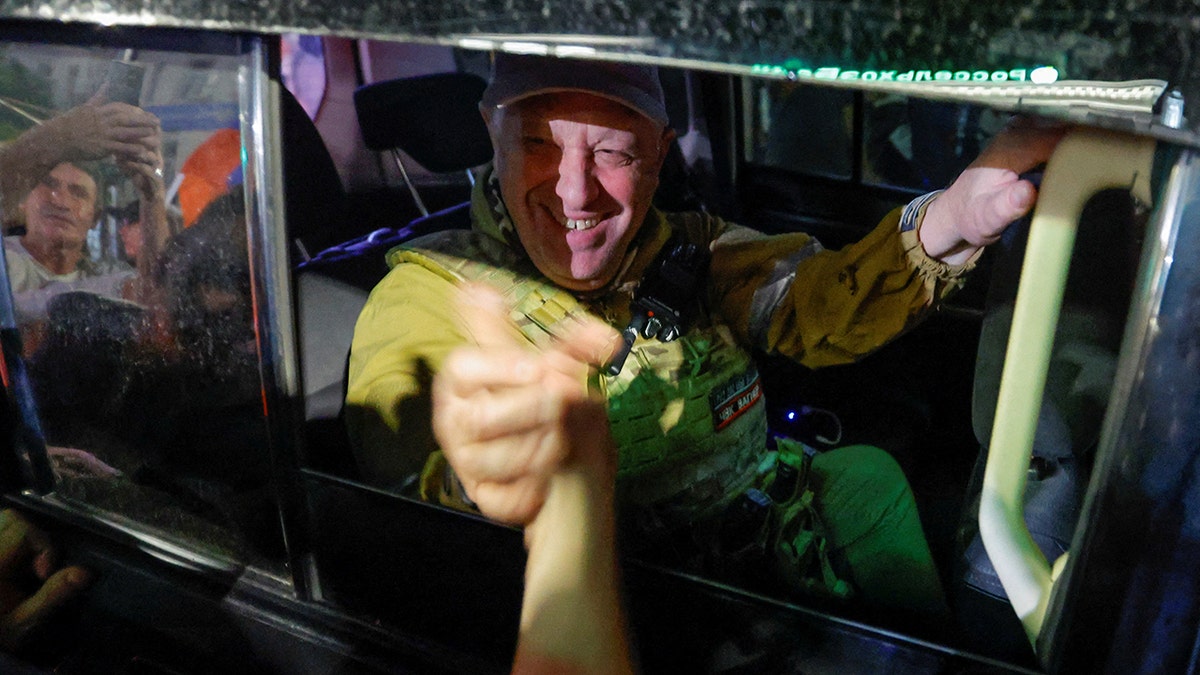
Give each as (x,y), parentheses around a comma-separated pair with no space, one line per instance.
(989,194)
(507,417)
(31,586)
(532,447)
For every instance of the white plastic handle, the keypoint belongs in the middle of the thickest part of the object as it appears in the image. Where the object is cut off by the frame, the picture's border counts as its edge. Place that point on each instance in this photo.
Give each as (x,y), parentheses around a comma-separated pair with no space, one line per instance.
(1085,162)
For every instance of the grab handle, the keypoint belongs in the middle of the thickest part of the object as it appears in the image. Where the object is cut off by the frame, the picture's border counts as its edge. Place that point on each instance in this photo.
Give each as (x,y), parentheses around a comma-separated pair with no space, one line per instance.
(1085,162)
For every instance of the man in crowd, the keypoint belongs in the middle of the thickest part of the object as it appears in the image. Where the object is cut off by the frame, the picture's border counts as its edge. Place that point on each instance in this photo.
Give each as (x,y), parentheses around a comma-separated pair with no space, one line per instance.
(564,229)
(49,187)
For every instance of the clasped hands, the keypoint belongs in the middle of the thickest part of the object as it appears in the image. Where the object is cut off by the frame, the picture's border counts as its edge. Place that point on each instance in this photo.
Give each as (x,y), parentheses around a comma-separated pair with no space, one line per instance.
(509,417)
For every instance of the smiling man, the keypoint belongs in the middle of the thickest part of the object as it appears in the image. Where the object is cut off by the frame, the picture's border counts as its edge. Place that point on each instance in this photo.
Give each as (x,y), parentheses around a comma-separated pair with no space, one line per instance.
(581,178)
(58,214)
(564,229)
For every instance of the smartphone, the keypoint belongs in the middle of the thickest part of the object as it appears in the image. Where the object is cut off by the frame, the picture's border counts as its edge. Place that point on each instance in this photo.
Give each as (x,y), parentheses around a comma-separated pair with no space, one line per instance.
(124,82)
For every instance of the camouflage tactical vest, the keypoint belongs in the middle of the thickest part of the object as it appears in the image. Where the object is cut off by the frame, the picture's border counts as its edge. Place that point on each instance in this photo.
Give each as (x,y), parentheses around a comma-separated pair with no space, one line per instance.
(688,416)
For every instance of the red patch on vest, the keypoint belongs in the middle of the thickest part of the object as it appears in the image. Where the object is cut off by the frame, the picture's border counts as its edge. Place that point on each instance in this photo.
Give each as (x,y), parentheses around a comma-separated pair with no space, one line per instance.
(734,398)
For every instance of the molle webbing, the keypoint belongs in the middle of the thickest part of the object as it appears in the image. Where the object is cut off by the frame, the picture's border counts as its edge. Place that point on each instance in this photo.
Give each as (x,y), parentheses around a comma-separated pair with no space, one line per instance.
(687,416)
(538,307)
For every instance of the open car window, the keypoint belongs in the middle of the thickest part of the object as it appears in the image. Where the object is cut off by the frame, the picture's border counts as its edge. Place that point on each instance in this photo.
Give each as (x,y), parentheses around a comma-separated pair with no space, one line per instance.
(136,356)
(815,135)
(808,157)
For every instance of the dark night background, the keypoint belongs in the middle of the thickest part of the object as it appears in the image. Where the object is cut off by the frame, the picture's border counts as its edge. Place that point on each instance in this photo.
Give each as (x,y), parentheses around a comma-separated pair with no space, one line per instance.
(1111,40)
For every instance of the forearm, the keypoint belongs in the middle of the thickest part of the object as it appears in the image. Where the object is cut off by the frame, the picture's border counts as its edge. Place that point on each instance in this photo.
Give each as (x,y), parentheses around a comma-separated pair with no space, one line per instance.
(152,218)
(25,160)
(823,307)
(571,617)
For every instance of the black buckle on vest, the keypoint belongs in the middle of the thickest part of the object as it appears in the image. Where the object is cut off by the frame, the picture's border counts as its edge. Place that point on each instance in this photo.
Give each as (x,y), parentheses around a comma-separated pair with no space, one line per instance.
(665,301)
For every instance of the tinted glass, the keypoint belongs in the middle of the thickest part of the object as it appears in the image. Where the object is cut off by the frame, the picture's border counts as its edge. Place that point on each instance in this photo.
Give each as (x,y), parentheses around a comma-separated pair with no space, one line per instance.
(922,144)
(801,128)
(908,143)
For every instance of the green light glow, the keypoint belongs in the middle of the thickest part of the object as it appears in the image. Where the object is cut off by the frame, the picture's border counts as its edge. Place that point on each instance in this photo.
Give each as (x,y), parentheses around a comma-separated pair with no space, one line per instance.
(792,71)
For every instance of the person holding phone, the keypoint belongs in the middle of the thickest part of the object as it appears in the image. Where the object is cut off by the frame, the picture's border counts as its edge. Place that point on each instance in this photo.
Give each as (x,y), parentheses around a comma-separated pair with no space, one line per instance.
(49,187)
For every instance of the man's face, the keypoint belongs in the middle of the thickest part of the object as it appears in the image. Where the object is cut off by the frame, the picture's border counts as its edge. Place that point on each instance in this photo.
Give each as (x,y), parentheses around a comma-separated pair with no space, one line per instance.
(62,208)
(577,173)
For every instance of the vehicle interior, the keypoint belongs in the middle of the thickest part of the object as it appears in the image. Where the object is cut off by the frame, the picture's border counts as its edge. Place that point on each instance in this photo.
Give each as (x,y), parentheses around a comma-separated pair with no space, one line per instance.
(219,467)
(783,157)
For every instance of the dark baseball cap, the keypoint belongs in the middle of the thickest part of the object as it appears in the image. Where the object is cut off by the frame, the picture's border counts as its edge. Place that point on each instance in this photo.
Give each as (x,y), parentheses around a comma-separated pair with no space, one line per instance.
(518,76)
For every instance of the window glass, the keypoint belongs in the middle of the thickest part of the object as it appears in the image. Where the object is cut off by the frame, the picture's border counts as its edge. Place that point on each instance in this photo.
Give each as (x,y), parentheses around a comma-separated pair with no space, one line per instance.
(921,144)
(125,239)
(800,127)
(907,143)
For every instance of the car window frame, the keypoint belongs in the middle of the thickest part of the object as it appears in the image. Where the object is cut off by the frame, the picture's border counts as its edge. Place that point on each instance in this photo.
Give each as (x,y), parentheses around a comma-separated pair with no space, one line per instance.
(276,320)
(259,131)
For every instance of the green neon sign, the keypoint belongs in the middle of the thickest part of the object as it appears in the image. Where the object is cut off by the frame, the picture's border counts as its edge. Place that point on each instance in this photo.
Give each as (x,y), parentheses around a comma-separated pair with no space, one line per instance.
(793,71)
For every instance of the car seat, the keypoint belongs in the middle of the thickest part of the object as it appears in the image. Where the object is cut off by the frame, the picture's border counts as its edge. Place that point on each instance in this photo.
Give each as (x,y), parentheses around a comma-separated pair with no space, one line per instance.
(434,119)
(314,198)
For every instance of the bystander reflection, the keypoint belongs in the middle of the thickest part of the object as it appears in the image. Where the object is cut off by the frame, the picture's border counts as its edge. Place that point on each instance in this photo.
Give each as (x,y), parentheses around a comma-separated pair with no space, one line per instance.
(48,181)
(144,369)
